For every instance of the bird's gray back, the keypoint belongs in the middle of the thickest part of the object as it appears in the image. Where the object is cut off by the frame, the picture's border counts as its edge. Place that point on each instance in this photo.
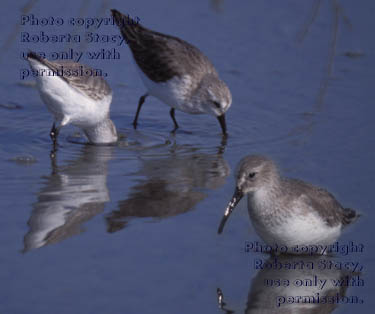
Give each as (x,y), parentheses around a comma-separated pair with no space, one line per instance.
(161,57)
(323,202)
(94,86)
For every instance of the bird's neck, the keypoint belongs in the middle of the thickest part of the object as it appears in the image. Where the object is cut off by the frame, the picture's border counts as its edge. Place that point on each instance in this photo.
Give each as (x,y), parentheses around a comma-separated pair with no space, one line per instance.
(102,133)
(267,196)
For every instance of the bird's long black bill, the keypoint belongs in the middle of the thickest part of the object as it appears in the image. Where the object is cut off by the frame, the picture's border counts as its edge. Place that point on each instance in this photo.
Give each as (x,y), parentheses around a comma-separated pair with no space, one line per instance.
(232,204)
(222,123)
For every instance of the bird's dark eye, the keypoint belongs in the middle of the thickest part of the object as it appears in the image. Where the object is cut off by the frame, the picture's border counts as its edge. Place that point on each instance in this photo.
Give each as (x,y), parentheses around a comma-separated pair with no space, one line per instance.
(217,104)
(252,175)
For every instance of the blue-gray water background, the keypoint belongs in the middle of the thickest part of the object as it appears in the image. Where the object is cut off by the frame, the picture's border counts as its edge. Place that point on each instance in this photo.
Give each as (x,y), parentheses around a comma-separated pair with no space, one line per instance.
(133,228)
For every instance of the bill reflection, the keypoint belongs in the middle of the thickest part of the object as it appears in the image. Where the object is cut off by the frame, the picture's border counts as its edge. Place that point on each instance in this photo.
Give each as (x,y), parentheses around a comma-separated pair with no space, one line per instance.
(170,186)
(298,284)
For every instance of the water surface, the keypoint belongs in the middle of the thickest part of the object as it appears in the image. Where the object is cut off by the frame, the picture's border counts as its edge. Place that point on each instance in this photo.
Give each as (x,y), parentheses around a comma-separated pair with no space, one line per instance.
(133,228)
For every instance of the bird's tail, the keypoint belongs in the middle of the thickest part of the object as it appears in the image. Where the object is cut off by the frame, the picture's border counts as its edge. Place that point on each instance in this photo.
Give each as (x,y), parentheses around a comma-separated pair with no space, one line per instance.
(127,25)
(33,55)
(350,216)
(52,65)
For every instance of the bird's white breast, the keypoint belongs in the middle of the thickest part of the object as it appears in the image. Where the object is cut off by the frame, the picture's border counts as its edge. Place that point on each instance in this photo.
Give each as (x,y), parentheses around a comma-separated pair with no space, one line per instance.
(68,103)
(289,224)
(175,92)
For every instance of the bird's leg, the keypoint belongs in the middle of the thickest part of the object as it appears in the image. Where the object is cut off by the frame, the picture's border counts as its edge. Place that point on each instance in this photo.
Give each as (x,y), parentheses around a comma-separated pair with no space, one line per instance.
(52,156)
(54,134)
(140,103)
(171,112)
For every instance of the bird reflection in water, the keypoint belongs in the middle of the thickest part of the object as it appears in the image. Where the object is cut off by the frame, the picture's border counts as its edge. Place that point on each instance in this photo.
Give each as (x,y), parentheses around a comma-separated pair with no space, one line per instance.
(172,185)
(278,291)
(72,194)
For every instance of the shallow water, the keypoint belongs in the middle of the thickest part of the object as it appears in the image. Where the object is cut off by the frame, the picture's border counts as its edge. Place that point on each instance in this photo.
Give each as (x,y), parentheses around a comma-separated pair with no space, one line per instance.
(133,227)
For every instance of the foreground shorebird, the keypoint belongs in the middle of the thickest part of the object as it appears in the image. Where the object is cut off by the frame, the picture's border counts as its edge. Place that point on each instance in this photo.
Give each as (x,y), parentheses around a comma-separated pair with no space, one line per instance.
(175,72)
(74,94)
(286,211)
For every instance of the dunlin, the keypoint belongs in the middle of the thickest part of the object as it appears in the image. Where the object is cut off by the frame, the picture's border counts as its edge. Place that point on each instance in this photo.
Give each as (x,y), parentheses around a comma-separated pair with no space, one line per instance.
(175,72)
(75,94)
(285,211)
